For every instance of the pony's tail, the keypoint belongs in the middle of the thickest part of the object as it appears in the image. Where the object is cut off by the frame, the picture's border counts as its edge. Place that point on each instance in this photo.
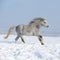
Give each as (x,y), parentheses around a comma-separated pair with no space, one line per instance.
(9,31)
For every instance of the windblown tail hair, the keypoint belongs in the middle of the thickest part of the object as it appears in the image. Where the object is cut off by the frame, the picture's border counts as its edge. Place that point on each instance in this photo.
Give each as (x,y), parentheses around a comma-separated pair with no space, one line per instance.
(9,31)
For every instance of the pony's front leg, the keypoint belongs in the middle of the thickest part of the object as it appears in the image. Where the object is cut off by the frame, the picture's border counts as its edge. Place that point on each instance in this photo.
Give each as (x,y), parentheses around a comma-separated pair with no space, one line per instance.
(41,39)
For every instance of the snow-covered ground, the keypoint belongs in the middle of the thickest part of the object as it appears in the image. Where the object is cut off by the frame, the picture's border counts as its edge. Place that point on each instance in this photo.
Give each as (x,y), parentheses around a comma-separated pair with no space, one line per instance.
(31,50)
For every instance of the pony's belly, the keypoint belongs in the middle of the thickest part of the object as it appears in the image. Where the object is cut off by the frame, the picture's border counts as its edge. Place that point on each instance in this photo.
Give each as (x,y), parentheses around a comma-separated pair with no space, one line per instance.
(28,34)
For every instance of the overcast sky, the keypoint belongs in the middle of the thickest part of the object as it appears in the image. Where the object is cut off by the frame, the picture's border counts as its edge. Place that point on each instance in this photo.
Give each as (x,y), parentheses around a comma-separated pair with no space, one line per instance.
(14,12)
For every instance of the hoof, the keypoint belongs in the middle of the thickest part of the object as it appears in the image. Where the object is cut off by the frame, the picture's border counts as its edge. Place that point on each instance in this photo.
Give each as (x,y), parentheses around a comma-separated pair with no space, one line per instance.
(23,41)
(5,37)
(42,43)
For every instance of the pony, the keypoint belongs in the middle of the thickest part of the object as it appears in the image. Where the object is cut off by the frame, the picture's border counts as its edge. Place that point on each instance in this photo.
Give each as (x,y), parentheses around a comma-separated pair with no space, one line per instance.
(31,29)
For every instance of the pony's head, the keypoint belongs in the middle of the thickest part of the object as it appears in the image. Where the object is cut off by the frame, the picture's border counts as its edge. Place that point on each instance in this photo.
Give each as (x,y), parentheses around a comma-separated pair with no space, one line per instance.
(41,21)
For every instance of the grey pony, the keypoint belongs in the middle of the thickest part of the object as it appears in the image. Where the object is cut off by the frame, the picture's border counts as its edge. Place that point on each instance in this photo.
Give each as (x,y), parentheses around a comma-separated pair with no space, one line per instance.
(31,29)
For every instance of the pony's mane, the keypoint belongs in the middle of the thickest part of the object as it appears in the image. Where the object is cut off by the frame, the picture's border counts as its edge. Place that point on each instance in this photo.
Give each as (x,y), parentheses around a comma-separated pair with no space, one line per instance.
(36,19)
(31,22)
(42,19)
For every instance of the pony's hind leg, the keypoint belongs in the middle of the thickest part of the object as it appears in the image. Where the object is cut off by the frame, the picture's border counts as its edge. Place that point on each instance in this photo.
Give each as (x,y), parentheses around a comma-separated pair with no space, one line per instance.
(41,39)
(16,38)
(19,33)
(22,39)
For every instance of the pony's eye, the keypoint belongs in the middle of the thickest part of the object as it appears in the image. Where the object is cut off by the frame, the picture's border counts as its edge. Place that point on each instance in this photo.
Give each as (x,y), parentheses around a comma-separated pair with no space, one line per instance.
(44,22)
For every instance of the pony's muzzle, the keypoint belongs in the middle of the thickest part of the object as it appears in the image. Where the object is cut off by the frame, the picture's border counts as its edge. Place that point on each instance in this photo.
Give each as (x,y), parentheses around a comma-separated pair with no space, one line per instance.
(47,26)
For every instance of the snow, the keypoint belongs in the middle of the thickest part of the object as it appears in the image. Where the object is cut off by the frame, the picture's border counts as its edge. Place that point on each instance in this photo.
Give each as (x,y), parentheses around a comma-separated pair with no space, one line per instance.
(31,50)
